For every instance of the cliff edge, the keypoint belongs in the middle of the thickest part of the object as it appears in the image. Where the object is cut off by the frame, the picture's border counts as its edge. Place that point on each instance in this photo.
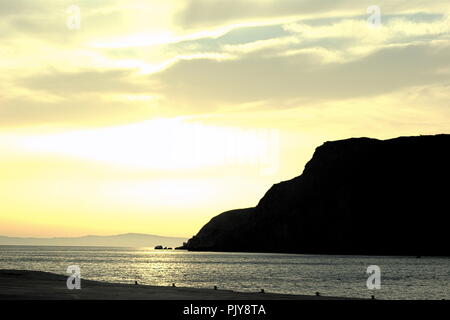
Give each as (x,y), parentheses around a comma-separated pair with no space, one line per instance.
(355,196)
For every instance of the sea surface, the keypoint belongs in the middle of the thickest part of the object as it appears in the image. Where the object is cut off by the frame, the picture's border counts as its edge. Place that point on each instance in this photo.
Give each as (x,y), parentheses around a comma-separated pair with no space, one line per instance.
(344,276)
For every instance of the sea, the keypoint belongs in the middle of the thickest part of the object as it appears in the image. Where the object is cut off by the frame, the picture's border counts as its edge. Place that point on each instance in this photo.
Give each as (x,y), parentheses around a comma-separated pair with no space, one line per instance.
(409,278)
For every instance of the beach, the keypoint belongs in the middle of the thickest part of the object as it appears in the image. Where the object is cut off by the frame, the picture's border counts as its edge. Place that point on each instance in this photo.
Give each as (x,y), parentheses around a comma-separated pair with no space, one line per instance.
(38,285)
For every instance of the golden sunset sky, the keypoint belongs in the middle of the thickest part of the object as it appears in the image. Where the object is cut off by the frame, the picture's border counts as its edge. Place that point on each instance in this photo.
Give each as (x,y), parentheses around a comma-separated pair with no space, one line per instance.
(155,116)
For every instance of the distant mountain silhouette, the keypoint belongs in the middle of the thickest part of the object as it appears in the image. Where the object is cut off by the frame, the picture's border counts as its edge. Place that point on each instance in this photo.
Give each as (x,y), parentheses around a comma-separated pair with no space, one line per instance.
(355,196)
(121,240)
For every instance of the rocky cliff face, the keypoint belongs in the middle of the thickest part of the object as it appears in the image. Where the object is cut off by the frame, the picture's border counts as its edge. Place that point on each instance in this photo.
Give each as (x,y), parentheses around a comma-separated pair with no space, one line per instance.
(355,196)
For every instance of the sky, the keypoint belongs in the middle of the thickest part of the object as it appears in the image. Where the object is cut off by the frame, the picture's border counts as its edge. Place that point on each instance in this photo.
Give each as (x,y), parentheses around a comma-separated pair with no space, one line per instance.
(155,116)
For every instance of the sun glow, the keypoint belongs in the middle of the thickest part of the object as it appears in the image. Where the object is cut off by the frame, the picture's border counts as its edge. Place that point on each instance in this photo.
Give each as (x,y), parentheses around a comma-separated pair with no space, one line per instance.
(158,144)
(140,193)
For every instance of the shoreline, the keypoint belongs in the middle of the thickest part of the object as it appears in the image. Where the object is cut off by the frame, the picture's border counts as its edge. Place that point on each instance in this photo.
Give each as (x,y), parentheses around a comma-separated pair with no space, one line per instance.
(39,285)
(177,249)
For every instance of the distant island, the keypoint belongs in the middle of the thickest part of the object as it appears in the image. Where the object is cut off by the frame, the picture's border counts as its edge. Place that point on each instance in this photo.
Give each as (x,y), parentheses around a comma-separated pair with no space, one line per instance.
(355,196)
(120,240)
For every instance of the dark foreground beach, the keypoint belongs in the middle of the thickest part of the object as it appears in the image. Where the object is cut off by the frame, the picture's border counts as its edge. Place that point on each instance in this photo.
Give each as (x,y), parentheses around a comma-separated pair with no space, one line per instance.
(37,285)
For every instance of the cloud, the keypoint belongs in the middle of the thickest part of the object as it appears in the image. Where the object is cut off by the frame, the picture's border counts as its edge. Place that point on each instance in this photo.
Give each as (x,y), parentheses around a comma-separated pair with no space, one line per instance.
(276,44)
(202,13)
(83,98)
(393,29)
(88,81)
(207,84)
(20,7)
(212,56)
(206,13)
(84,111)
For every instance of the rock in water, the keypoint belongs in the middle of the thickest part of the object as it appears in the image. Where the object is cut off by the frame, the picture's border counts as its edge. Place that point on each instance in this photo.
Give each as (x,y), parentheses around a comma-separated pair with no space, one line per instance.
(355,196)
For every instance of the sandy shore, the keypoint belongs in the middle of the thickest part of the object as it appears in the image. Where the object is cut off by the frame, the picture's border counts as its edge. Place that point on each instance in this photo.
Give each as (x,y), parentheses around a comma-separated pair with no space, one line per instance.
(37,285)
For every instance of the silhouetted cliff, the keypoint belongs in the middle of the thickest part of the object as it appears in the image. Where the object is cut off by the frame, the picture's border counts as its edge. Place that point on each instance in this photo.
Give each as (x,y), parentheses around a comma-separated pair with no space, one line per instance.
(355,196)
